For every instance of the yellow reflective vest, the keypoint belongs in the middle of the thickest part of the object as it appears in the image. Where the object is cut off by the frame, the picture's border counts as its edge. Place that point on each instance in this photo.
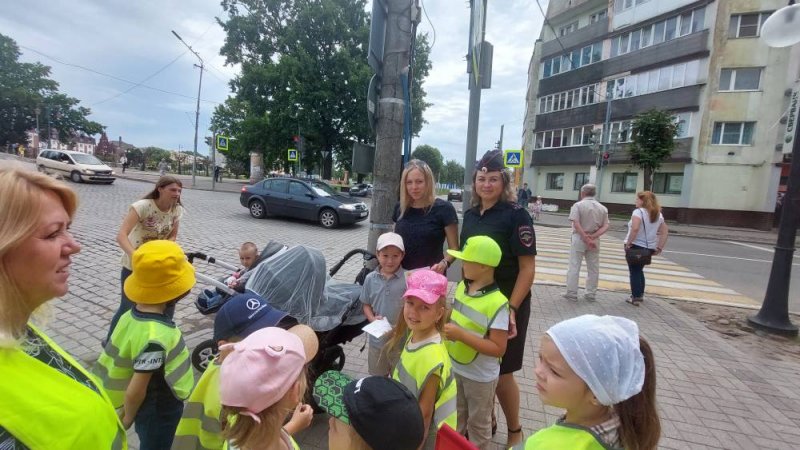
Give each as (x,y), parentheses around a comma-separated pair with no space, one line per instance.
(563,435)
(46,409)
(130,338)
(414,369)
(474,314)
(200,426)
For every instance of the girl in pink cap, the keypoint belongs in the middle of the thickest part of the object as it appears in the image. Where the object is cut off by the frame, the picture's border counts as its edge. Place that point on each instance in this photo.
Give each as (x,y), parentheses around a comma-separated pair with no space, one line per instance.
(424,366)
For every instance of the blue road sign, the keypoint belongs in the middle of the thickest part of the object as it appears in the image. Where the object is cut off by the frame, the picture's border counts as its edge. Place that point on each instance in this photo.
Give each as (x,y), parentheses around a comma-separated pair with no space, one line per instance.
(512,158)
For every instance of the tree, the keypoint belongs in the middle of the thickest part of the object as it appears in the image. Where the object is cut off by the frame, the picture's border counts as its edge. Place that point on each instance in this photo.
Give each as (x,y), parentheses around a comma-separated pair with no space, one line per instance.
(24,87)
(304,71)
(653,140)
(431,155)
(452,173)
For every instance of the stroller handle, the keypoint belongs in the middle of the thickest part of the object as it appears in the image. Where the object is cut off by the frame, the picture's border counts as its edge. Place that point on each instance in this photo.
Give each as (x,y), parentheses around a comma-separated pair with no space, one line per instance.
(367,257)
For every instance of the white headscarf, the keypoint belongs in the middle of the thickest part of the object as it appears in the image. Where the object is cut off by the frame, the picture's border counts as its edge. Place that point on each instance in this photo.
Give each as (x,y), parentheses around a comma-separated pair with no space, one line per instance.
(604,352)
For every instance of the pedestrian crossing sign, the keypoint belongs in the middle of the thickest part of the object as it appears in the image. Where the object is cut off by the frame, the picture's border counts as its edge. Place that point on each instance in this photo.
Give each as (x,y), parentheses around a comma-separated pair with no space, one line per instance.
(292,154)
(512,158)
(222,142)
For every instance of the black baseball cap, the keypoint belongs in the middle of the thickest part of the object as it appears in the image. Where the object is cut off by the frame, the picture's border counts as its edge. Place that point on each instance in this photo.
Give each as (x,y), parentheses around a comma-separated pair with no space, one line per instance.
(243,314)
(381,410)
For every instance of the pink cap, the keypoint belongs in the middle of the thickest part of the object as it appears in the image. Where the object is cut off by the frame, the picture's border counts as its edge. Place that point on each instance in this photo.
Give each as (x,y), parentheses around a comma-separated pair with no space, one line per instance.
(260,370)
(426,285)
(387,239)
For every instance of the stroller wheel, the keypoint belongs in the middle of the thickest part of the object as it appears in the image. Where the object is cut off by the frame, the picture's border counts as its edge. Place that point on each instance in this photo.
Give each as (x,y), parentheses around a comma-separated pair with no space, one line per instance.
(203,354)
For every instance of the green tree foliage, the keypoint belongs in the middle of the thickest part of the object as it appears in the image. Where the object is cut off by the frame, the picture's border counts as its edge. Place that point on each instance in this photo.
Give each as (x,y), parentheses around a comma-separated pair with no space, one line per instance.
(452,173)
(24,87)
(151,156)
(304,71)
(430,155)
(653,140)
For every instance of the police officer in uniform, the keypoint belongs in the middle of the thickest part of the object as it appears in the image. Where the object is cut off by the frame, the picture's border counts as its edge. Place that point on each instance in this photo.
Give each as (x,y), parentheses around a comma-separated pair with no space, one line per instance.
(495,214)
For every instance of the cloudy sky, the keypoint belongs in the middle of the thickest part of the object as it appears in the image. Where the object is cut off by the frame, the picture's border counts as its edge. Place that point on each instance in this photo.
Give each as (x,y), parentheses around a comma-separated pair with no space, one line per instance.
(121,60)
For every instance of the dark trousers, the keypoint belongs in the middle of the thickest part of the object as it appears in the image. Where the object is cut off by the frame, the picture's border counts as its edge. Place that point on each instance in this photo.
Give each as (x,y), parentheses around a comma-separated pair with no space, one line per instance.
(158,417)
(637,278)
(125,305)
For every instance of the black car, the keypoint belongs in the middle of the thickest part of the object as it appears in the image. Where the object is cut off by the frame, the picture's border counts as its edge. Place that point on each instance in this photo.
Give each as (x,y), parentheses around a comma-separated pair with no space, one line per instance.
(361,190)
(302,199)
(455,195)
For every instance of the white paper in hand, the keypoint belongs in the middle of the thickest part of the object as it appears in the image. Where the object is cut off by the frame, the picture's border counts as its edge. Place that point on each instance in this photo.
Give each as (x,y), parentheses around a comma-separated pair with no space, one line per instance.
(378,328)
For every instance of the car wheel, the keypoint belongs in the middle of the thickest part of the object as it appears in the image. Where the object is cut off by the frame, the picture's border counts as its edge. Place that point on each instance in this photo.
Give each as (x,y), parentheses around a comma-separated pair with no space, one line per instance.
(41,168)
(75,177)
(258,209)
(328,218)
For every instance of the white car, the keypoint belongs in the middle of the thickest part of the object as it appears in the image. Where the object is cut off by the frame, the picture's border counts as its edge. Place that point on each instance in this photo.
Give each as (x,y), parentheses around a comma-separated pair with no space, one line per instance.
(77,166)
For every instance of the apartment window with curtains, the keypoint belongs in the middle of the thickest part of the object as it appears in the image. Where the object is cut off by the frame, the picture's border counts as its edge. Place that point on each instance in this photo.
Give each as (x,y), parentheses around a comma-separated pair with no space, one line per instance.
(747,25)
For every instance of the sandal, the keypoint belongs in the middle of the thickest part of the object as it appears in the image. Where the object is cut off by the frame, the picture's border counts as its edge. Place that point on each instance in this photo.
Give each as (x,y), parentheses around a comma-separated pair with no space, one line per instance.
(633,301)
(511,433)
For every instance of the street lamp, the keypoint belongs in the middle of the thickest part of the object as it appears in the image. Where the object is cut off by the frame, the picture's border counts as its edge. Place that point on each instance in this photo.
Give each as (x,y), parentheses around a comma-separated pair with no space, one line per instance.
(197,110)
(782,29)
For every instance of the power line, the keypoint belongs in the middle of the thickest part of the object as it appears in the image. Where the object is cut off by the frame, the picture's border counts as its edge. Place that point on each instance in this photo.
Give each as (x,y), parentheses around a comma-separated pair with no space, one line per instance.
(139,83)
(431,23)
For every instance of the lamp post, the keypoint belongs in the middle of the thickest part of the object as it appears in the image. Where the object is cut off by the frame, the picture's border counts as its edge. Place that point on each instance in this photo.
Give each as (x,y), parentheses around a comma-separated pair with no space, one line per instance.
(782,29)
(197,110)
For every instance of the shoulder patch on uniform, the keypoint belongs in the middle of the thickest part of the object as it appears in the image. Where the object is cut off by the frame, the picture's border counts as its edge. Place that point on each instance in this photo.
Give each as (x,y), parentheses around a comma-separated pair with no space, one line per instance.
(525,233)
(515,206)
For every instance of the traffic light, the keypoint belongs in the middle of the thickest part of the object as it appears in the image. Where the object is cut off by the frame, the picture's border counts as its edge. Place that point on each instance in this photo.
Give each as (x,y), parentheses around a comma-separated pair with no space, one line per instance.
(606,157)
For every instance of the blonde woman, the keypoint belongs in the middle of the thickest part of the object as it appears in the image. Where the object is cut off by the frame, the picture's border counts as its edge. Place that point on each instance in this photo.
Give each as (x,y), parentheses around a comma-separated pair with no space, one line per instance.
(47,399)
(424,221)
(646,229)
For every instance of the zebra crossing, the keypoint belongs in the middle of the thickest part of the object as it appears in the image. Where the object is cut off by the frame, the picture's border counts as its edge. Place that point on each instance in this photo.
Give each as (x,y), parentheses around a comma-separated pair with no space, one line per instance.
(664,277)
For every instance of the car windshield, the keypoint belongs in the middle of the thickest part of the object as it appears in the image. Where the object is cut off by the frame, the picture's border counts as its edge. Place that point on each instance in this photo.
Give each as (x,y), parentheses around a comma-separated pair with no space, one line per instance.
(81,158)
(322,189)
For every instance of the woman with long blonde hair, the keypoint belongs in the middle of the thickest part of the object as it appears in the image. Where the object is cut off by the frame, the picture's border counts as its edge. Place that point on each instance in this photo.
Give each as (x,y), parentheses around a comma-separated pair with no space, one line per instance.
(646,229)
(423,220)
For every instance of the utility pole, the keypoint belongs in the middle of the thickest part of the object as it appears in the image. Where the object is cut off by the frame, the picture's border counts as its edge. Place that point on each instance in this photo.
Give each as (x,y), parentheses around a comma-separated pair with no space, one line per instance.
(389,141)
(197,109)
(500,142)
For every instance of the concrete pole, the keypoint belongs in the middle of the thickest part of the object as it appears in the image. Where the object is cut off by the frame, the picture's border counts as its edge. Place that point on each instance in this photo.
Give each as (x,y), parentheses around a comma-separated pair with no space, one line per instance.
(473,117)
(389,142)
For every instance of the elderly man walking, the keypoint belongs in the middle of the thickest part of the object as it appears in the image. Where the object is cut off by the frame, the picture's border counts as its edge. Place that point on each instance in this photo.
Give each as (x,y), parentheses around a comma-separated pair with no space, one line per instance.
(589,221)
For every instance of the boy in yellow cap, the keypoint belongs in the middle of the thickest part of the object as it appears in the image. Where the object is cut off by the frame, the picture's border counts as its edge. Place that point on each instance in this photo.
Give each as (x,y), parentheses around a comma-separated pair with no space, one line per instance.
(145,366)
(476,338)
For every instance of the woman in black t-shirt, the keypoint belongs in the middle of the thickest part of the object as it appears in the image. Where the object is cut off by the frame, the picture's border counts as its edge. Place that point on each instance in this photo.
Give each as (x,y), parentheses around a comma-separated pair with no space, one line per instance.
(424,221)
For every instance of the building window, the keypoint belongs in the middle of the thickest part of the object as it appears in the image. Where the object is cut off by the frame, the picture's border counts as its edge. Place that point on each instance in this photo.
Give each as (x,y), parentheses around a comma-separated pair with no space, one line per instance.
(624,182)
(683,121)
(667,183)
(572,60)
(567,29)
(567,137)
(747,25)
(581,178)
(733,133)
(598,16)
(740,79)
(555,181)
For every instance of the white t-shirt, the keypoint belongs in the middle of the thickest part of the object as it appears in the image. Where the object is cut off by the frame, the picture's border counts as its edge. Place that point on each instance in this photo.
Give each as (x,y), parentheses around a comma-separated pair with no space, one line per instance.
(647,235)
(484,368)
(153,224)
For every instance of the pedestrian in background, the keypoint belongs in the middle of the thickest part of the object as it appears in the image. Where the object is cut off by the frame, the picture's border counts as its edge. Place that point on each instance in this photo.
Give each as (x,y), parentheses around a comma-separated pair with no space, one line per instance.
(494,214)
(47,399)
(646,230)
(162,167)
(589,221)
(217,173)
(524,195)
(423,220)
(156,216)
(536,208)
(123,161)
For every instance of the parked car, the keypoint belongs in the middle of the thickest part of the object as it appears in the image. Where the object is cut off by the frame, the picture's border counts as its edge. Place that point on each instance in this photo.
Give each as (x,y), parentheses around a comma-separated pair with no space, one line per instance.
(455,195)
(303,199)
(77,166)
(361,190)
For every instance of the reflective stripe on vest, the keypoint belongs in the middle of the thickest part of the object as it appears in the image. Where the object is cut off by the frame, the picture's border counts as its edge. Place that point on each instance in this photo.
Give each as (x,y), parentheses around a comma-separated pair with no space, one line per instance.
(130,338)
(414,369)
(569,436)
(473,315)
(44,408)
(200,426)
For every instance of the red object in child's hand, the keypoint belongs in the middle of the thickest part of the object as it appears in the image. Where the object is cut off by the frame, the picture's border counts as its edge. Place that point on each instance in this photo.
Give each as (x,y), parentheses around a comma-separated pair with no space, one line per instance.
(449,439)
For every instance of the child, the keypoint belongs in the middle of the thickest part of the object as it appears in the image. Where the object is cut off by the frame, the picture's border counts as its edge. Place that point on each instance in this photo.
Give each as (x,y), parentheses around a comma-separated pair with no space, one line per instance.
(382,297)
(262,380)
(424,366)
(248,254)
(373,413)
(241,315)
(476,337)
(145,365)
(603,373)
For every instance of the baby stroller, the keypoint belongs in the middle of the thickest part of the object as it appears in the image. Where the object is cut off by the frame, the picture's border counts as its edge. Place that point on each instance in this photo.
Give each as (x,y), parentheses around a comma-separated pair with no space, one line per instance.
(294,280)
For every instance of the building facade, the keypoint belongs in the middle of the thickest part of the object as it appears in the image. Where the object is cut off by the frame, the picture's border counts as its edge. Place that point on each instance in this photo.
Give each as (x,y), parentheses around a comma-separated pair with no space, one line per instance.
(599,63)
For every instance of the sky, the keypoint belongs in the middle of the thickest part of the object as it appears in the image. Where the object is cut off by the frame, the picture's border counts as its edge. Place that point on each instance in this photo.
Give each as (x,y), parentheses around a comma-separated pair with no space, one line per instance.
(122,61)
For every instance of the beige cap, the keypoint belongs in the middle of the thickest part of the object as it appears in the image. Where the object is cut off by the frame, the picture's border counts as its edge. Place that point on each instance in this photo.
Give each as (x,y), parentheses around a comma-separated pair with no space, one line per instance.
(387,239)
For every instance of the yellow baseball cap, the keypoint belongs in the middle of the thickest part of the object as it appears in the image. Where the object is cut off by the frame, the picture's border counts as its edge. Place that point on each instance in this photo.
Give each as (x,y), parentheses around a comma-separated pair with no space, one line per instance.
(160,273)
(479,249)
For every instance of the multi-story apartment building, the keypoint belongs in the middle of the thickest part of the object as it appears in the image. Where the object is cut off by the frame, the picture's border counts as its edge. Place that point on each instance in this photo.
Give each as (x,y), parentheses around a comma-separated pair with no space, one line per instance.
(603,62)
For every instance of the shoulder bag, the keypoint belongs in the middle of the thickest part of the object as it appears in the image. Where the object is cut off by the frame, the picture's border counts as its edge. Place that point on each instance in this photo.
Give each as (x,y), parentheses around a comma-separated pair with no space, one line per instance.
(639,256)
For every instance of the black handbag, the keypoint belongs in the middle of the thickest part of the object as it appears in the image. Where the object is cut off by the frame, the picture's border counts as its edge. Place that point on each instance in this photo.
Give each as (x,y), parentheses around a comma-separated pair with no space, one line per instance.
(639,256)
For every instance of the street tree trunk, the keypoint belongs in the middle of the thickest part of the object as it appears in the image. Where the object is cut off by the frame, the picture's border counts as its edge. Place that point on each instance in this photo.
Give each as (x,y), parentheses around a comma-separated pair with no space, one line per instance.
(648,178)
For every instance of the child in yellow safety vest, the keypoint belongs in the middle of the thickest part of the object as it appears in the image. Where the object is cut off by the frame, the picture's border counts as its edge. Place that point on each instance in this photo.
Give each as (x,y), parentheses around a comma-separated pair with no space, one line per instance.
(603,374)
(240,316)
(476,335)
(262,380)
(424,366)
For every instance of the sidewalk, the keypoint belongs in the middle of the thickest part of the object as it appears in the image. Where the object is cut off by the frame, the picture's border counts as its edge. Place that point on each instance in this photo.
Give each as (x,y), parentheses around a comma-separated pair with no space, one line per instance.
(202,182)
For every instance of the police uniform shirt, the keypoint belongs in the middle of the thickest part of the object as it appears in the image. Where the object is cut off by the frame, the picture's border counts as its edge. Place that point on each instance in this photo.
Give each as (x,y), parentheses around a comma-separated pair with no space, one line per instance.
(511,227)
